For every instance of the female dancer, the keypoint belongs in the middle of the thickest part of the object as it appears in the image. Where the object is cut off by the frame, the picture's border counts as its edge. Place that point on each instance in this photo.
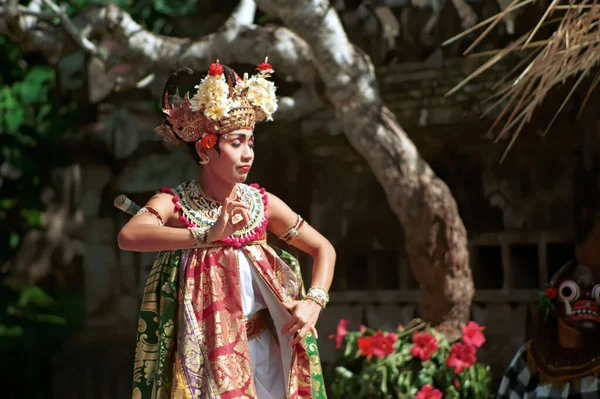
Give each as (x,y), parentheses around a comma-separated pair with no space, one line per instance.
(224,315)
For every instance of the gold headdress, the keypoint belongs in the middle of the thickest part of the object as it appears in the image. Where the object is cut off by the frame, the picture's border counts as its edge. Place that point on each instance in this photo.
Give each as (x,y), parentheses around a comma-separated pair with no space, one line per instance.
(223,102)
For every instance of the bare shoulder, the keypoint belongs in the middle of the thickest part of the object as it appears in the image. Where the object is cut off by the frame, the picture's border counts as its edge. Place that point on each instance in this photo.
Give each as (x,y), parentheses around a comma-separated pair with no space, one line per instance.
(280,215)
(276,206)
(163,203)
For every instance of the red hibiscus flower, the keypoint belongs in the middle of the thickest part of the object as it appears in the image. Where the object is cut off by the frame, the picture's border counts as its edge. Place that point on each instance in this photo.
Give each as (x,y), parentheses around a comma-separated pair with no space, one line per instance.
(462,356)
(215,69)
(383,343)
(209,140)
(264,67)
(551,292)
(472,334)
(457,383)
(425,345)
(341,332)
(365,347)
(429,392)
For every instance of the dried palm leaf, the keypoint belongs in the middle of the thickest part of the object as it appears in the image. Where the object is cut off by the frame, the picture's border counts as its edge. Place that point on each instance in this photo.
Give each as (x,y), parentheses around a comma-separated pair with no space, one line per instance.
(572,50)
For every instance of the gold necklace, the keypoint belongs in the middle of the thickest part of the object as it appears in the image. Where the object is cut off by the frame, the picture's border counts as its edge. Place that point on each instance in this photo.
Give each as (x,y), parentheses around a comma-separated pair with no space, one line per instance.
(231,196)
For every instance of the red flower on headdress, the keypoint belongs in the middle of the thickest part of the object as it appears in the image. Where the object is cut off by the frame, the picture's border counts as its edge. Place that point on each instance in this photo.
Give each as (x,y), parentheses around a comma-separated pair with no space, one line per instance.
(215,69)
(429,392)
(472,334)
(462,356)
(424,346)
(209,140)
(264,67)
(551,292)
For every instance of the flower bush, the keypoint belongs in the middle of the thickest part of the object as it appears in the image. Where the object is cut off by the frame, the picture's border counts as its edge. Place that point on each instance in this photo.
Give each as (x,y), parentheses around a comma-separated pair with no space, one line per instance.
(415,361)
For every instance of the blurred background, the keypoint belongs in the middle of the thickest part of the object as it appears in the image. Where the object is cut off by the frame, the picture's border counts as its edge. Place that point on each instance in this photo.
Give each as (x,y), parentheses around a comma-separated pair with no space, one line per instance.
(76,131)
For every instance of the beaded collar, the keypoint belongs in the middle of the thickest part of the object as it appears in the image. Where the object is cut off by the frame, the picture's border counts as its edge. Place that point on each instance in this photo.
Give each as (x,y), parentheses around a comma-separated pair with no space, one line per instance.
(200,211)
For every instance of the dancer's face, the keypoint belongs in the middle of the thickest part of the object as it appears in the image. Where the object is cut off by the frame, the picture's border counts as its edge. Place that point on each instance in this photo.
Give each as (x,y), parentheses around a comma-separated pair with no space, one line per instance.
(235,159)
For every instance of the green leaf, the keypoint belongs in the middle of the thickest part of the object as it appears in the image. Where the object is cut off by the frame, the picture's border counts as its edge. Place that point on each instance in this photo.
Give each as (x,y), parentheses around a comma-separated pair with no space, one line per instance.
(265,19)
(43,112)
(35,296)
(34,88)
(175,7)
(14,119)
(7,203)
(13,240)
(50,318)
(7,99)
(14,331)
(33,217)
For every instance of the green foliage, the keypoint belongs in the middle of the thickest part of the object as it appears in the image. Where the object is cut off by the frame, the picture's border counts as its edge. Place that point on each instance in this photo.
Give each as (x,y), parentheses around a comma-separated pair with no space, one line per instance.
(159,16)
(546,304)
(36,120)
(401,375)
(32,325)
(32,120)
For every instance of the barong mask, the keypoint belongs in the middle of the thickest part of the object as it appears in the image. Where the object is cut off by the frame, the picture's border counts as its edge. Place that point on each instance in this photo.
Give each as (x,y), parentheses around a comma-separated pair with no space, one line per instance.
(573,297)
(220,103)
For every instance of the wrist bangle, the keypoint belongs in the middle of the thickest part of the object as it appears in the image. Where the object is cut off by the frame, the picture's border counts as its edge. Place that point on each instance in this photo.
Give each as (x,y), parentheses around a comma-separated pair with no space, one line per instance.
(200,235)
(318,295)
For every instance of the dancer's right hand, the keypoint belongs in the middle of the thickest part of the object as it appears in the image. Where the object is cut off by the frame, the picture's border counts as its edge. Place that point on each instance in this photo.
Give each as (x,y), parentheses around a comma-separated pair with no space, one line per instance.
(227,224)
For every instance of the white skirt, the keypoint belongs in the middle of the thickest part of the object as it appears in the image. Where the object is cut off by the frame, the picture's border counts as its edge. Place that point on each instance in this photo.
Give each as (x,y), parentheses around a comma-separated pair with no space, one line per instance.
(265,355)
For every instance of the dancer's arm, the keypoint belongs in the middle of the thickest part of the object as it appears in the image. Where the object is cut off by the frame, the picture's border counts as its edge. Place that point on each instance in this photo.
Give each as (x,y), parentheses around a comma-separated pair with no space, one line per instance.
(143,233)
(304,313)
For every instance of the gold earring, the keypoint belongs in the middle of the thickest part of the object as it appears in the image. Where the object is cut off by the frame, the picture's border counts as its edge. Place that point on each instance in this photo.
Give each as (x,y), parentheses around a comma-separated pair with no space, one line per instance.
(204,161)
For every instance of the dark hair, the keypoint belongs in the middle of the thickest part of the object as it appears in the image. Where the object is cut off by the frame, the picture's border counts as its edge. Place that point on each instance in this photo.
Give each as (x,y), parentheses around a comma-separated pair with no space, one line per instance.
(192,147)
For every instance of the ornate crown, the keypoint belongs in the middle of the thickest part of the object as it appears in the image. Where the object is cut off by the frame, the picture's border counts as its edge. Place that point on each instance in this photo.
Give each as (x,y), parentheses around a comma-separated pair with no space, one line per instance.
(223,102)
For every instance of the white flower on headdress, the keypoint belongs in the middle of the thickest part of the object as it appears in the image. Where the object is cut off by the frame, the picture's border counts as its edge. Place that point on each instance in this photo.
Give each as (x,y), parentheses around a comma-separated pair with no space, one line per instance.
(238,90)
(212,94)
(261,93)
(216,110)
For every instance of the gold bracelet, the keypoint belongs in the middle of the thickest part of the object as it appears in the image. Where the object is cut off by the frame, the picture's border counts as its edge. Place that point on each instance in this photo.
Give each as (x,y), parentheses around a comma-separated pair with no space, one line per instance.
(318,295)
(200,234)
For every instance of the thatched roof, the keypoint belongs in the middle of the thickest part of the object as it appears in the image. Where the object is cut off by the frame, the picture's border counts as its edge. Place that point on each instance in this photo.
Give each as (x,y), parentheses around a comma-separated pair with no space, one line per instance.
(571,50)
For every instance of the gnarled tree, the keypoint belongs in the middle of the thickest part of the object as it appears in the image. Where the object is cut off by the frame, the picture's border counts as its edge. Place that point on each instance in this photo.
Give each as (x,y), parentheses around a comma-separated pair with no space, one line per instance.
(312,46)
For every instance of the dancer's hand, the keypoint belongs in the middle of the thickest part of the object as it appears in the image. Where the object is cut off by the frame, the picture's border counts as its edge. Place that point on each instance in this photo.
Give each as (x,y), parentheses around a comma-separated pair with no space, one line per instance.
(234,215)
(304,318)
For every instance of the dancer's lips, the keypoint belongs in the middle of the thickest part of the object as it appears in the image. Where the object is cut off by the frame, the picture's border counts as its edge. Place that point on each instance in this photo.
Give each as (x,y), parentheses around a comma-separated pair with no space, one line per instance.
(245,168)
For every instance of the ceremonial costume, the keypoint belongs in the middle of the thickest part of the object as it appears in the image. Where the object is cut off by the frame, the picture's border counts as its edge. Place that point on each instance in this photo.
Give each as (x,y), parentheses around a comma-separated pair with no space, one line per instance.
(562,360)
(211,315)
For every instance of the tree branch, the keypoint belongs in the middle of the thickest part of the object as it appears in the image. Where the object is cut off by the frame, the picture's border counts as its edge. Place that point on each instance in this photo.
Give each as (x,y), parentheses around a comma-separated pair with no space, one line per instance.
(237,41)
(73,32)
(437,239)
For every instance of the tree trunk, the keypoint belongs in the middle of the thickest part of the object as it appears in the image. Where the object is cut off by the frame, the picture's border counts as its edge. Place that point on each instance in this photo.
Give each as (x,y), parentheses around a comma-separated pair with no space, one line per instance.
(315,43)
(436,237)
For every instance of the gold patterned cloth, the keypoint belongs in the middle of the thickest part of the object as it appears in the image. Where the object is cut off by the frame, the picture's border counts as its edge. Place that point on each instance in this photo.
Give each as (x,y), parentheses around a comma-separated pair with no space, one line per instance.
(192,334)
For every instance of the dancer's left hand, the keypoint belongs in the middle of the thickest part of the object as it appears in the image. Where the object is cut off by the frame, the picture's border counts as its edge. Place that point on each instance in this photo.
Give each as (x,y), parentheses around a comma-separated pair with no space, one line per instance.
(304,318)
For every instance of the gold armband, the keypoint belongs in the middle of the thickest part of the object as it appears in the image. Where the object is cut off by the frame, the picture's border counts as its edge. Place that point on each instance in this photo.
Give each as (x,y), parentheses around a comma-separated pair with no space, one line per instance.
(150,211)
(293,232)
